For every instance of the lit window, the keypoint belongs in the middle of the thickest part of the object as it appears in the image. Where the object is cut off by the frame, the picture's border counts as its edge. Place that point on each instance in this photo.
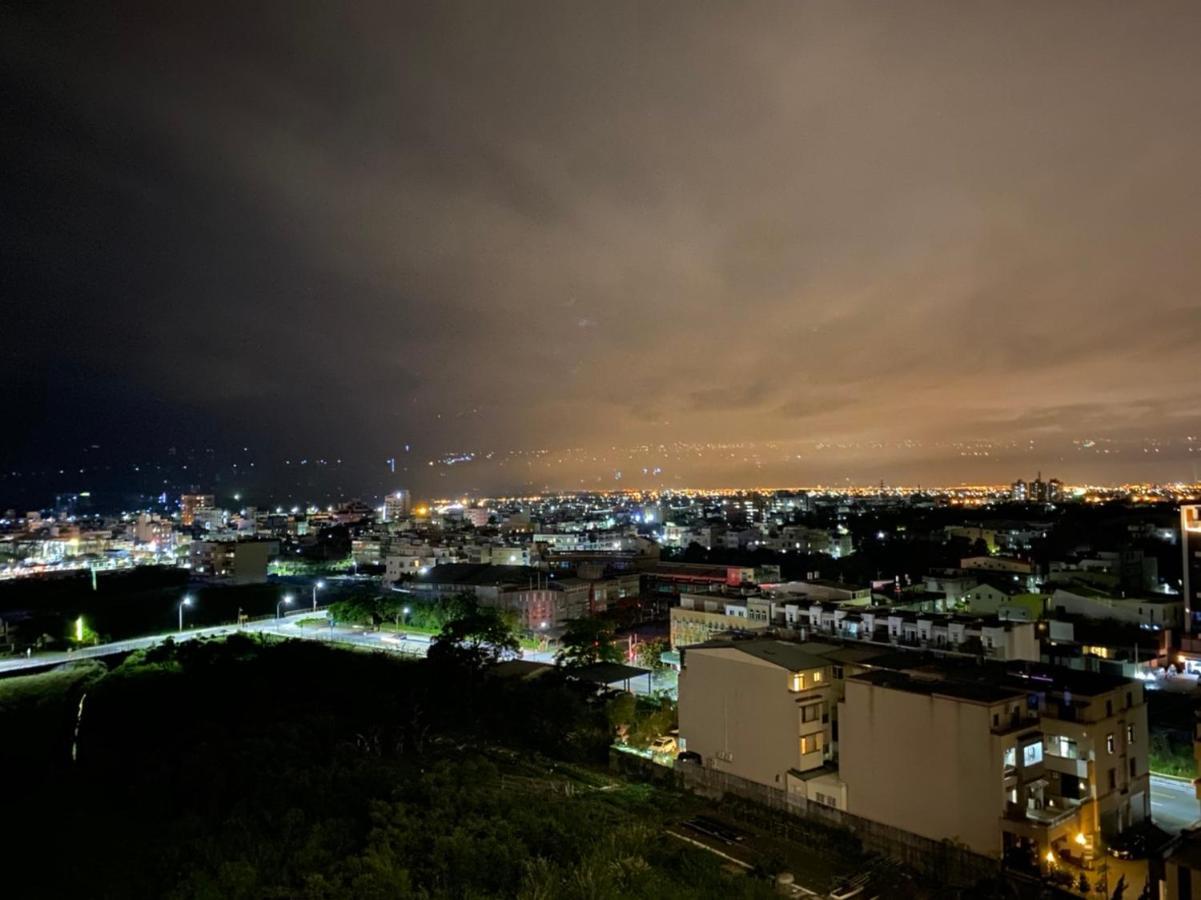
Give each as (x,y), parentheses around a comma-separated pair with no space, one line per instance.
(1109,742)
(1032,754)
(817,676)
(1129,734)
(1010,760)
(798,681)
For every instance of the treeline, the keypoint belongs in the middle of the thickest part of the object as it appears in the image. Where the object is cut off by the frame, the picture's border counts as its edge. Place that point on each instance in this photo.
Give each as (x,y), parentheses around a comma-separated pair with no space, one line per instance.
(239,768)
(430,614)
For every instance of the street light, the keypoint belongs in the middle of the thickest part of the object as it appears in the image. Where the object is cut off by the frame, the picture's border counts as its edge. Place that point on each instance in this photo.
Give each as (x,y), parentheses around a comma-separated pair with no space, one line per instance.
(405,611)
(186,601)
(316,587)
(286,601)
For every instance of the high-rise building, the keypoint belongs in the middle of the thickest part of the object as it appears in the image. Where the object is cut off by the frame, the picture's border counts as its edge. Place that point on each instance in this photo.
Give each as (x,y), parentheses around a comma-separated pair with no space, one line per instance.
(1190,545)
(1038,489)
(1054,490)
(1018,491)
(189,504)
(396,506)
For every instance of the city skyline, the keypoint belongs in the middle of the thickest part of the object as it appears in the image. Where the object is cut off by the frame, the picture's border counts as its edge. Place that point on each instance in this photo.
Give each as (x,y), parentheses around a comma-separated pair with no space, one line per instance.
(565,227)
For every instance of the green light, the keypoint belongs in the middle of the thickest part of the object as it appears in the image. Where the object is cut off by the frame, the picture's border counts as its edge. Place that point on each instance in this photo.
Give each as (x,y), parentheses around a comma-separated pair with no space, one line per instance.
(79,630)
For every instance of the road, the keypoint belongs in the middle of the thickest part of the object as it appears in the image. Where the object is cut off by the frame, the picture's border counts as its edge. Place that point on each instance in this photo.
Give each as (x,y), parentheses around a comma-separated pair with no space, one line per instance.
(284,626)
(1174,803)
(288,626)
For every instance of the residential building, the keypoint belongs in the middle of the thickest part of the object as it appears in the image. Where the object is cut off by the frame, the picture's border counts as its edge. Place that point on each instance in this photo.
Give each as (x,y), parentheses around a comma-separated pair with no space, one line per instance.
(1047,761)
(990,598)
(397,505)
(758,709)
(1163,611)
(1190,546)
(953,585)
(190,504)
(236,562)
(702,617)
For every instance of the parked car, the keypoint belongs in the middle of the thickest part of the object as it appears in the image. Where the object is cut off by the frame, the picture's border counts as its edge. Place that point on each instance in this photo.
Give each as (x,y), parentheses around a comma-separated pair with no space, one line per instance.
(665,745)
(1130,846)
(689,756)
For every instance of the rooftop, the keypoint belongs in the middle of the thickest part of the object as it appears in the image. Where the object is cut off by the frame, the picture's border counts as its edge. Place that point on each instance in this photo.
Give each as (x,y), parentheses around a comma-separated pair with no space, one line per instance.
(785,654)
(974,692)
(479,574)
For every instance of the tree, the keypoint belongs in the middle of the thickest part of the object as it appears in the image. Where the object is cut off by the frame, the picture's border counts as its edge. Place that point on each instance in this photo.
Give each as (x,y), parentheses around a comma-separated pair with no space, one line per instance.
(479,637)
(650,654)
(357,610)
(588,640)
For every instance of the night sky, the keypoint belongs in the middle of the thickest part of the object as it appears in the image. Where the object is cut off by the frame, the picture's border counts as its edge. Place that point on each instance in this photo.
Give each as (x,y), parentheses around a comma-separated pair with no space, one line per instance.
(957,241)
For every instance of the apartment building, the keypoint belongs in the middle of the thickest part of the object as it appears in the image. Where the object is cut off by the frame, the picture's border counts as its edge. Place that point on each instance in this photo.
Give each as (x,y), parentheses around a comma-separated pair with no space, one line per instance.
(703,617)
(1013,759)
(540,601)
(1043,766)
(986,636)
(1164,611)
(759,709)
(236,562)
(190,504)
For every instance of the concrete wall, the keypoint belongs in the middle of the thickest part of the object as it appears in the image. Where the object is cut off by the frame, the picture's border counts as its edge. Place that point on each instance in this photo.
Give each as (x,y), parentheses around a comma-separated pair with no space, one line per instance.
(739,714)
(926,764)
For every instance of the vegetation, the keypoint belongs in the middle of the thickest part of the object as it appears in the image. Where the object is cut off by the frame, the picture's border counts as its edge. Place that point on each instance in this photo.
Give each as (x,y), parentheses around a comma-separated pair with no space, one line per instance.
(240,769)
(638,721)
(650,654)
(373,610)
(480,637)
(588,640)
(1168,756)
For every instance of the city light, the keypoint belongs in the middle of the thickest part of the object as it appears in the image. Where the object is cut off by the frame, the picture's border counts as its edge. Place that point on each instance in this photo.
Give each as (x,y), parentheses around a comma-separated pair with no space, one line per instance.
(185,601)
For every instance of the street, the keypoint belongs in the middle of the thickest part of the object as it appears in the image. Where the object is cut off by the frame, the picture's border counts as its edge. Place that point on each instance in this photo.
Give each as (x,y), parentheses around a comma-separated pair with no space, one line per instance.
(288,626)
(1174,803)
(285,625)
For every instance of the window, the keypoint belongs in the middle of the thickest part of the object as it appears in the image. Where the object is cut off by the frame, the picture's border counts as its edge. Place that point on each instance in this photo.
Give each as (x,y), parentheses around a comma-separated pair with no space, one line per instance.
(811,713)
(817,677)
(1133,768)
(1113,778)
(798,681)
(1108,708)
(1058,745)
(838,671)
(1129,699)
(1109,742)
(1032,754)
(1129,734)
(1010,759)
(811,743)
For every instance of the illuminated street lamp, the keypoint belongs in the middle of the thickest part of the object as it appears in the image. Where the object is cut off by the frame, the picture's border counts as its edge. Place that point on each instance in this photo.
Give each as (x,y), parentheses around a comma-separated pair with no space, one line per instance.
(186,601)
(286,601)
(316,587)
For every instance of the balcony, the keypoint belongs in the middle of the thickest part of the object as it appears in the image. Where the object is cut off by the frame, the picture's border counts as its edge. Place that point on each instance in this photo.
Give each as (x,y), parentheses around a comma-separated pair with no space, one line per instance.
(1017,722)
(1038,823)
(1066,765)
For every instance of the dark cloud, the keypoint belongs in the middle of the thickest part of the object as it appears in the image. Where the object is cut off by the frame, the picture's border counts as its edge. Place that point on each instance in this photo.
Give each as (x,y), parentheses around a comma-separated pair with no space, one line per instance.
(568,224)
